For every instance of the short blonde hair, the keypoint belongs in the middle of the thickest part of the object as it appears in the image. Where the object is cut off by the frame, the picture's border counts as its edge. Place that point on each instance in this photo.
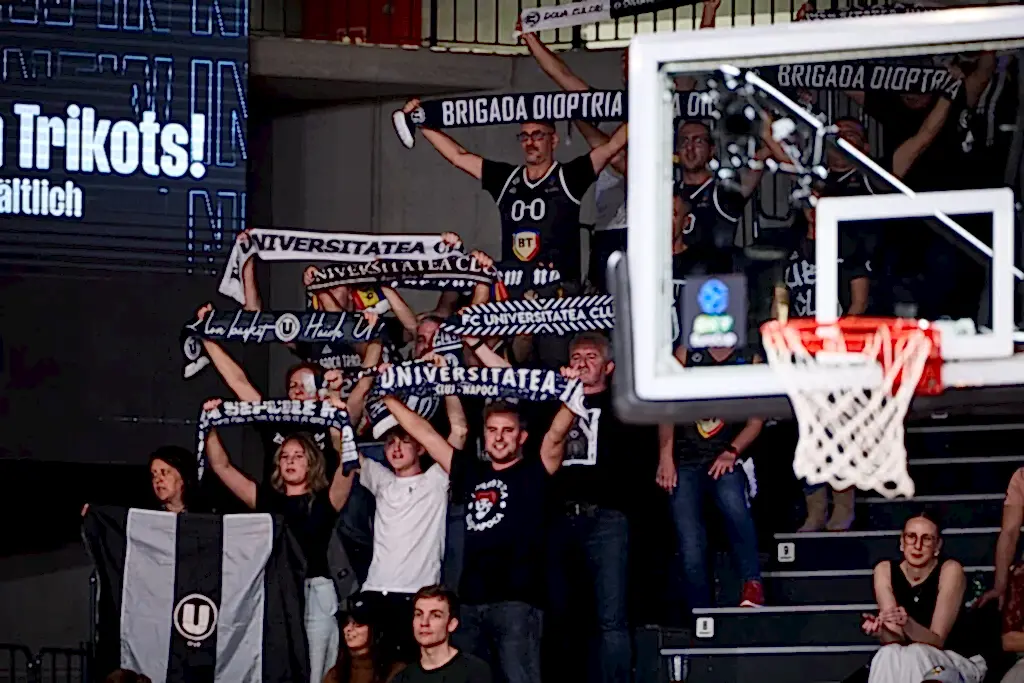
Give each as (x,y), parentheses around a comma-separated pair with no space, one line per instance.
(316,473)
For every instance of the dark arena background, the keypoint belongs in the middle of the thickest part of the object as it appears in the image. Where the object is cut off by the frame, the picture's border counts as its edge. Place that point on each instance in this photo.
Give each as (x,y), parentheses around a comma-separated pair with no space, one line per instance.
(141,139)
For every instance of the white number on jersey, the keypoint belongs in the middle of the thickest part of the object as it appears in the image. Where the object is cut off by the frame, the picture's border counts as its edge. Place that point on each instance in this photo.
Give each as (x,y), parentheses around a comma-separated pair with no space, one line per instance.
(536,208)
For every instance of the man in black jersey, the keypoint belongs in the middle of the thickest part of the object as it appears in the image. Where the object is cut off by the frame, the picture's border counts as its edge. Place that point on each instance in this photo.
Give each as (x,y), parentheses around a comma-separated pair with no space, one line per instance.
(539,200)
(716,210)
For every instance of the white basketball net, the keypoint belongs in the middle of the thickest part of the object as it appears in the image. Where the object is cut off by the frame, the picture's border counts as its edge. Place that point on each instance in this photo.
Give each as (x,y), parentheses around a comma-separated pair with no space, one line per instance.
(849,436)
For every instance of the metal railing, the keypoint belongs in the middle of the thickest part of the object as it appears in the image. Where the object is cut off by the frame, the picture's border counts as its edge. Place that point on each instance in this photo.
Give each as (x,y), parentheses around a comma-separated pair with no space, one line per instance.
(488,25)
(49,665)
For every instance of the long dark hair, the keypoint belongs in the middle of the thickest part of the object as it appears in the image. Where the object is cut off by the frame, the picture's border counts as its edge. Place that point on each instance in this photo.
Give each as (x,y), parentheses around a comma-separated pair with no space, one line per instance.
(342,670)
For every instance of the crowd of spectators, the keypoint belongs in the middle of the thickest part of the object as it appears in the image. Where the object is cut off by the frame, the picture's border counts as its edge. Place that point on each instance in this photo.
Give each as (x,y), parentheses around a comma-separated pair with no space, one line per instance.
(532,538)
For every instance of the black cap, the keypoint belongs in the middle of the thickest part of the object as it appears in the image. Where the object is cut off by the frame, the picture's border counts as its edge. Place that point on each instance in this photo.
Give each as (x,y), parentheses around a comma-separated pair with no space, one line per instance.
(359,611)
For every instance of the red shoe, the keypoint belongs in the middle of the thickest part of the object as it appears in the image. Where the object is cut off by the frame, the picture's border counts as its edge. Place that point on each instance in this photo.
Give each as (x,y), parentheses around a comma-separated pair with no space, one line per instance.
(753,594)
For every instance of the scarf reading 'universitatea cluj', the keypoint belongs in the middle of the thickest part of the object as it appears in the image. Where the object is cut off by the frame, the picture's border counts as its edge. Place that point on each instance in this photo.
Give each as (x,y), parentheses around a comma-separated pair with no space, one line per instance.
(312,413)
(417,378)
(458,272)
(295,245)
(265,327)
(568,315)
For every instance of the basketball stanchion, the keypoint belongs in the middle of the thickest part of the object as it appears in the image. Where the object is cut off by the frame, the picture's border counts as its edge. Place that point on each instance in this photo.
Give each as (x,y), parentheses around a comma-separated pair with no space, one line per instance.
(854,435)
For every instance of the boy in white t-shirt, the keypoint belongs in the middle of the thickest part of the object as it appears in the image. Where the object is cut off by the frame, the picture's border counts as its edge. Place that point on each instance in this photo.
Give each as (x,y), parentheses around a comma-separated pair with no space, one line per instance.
(408,528)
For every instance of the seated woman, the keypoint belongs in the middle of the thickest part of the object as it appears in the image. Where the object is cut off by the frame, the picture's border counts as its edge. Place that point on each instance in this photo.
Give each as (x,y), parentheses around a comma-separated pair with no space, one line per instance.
(298,491)
(361,659)
(919,600)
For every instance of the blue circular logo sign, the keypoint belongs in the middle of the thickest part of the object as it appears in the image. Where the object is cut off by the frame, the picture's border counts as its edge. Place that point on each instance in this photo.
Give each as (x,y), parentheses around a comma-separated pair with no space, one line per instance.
(713,297)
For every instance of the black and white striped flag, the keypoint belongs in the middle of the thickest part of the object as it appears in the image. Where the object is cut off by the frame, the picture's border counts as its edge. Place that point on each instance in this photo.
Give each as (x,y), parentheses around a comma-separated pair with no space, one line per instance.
(534,316)
(192,598)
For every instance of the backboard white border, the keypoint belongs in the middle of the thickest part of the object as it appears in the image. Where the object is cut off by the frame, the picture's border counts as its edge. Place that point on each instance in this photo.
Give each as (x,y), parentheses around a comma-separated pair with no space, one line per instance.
(656,375)
(831,211)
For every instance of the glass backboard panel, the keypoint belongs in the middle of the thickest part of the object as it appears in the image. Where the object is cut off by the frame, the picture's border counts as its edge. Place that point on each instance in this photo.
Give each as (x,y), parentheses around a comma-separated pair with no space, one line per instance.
(901,131)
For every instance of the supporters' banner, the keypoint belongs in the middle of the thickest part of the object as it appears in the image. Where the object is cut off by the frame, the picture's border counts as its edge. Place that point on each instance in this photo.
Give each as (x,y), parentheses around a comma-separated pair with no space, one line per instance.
(528,384)
(457,273)
(448,346)
(295,245)
(885,76)
(629,8)
(490,110)
(534,316)
(872,11)
(381,419)
(313,413)
(264,327)
(223,604)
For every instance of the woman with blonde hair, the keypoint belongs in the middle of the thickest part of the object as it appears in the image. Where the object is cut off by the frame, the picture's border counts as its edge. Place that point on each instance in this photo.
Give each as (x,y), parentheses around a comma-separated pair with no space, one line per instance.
(298,490)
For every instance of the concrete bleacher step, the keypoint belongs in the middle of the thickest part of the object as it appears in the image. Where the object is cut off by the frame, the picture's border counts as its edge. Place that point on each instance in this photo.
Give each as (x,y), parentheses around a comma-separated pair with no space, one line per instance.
(864,549)
(795,664)
(783,588)
(953,510)
(963,474)
(775,626)
(938,438)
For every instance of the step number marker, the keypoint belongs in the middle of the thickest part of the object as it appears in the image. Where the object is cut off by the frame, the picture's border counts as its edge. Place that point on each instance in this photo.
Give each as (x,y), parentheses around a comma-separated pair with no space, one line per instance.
(705,627)
(787,552)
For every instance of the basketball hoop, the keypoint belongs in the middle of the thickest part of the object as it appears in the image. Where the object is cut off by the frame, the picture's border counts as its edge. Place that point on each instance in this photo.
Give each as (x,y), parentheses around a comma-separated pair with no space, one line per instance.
(853,435)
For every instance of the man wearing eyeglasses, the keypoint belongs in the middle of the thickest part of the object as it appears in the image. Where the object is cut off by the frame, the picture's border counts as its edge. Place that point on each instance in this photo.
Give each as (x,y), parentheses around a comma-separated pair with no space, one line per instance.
(716,210)
(539,200)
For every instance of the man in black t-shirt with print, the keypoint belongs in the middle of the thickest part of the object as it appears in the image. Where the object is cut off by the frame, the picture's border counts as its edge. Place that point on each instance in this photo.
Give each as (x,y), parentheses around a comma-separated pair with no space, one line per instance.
(606,465)
(502,582)
(539,200)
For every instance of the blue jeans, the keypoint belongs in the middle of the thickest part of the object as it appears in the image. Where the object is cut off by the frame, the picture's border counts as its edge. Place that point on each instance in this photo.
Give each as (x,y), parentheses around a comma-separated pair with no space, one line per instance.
(506,634)
(730,496)
(592,549)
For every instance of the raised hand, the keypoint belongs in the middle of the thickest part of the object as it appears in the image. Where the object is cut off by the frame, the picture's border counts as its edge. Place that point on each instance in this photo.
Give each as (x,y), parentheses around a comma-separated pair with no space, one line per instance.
(372,317)
(411,105)
(333,379)
(336,401)
(203,311)
(243,238)
(435,359)
(212,403)
(452,239)
(482,258)
(308,275)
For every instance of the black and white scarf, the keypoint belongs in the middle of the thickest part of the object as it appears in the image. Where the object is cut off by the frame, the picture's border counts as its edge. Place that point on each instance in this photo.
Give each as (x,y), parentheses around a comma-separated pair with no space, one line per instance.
(312,413)
(458,273)
(895,77)
(537,19)
(425,379)
(534,316)
(869,11)
(490,110)
(294,245)
(265,327)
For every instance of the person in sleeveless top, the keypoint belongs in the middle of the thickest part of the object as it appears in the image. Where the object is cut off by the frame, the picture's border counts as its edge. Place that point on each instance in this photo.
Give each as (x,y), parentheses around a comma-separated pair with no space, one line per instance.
(919,600)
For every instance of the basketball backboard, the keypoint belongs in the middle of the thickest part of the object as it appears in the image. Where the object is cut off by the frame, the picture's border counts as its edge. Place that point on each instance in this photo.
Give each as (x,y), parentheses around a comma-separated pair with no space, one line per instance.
(773,70)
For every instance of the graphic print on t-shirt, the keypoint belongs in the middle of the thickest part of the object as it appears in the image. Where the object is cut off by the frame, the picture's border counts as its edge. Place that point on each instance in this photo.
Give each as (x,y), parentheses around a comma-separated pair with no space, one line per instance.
(581,444)
(800,281)
(486,505)
(708,428)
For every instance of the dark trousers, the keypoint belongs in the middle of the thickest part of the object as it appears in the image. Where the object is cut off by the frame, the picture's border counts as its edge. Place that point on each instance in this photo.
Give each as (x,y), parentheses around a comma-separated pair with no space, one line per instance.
(730,496)
(392,615)
(506,634)
(589,551)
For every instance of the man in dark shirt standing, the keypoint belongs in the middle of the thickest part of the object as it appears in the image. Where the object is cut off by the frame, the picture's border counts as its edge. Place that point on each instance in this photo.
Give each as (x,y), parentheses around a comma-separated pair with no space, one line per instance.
(539,201)
(434,620)
(605,461)
(502,581)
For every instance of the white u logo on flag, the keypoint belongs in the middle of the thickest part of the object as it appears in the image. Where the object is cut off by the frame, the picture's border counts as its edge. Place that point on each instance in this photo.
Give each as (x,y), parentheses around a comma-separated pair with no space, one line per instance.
(195,617)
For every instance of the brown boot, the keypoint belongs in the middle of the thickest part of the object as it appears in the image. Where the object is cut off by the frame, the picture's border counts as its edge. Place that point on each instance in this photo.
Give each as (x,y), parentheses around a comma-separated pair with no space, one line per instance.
(842,509)
(817,508)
